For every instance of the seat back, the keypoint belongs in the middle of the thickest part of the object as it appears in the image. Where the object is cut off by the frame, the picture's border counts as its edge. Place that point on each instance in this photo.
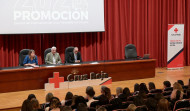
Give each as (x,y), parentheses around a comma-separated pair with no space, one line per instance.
(23,53)
(130,51)
(67,51)
(181,104)
(46,52)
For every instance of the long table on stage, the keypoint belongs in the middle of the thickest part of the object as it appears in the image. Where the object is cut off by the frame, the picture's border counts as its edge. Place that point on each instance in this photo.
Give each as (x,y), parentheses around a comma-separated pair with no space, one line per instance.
(20,78)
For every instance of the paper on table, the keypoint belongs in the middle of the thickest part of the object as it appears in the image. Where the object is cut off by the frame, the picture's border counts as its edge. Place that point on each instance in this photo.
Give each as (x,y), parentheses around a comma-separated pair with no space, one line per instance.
(94,63)
(75,64)
(28,68)
(50,66)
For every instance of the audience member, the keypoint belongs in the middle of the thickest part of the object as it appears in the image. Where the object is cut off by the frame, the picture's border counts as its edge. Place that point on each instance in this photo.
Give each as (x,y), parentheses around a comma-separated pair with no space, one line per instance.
(131,107)
(163,105)
(68,98)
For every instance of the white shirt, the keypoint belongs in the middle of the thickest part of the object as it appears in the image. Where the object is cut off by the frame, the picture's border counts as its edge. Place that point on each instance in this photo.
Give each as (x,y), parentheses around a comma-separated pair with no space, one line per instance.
(54,61)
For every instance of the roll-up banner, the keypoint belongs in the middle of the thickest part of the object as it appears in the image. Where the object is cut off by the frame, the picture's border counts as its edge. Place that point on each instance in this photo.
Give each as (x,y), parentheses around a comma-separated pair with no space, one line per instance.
(175,58)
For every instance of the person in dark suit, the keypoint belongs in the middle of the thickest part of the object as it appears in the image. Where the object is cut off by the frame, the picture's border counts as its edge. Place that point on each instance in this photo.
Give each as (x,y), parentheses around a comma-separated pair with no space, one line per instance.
(75,56)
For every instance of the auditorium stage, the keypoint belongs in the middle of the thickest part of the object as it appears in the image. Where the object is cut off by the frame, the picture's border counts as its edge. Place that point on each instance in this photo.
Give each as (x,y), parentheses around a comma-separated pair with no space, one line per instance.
(21,78)
(15,99)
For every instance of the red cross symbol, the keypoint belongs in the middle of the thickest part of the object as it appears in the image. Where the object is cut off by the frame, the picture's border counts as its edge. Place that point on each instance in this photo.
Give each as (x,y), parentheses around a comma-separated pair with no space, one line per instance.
(56,79)
(176,30)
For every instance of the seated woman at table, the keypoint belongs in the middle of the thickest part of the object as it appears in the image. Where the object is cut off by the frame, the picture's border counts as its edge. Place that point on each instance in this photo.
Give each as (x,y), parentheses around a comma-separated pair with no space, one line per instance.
(31,59)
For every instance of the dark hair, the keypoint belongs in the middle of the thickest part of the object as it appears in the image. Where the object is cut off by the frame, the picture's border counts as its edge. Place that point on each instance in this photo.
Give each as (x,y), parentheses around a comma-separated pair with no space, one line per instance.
(79,99)
(35,104)
(55,103)
(31,96)
(163,105)
(116,103)
(126,92)
(66,108)
(30,52)
(144,88)
(167,83)
(159,96)
(48,97)
(89,88)
(138,101)
(188,93)
(82,107)
(26,105)
(101,109)
(69,96)
(178,95)
(181,82)
(90,92)
(136,87)
(151,104)
(107,93)
(151,85)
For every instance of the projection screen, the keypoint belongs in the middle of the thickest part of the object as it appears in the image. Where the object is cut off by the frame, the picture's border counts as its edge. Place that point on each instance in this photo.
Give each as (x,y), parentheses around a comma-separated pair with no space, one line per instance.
(51,16)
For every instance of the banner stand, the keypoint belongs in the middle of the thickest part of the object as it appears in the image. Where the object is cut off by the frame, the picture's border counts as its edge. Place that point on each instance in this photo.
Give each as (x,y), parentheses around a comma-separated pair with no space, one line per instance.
(175,52)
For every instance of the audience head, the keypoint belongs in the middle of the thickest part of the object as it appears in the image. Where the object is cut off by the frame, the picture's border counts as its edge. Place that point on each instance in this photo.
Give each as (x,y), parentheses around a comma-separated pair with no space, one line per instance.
(101,109)
(31,96)
(151,85)
(48,97)
(136,87)
(119,91)
(69,96)
(66,108)
(89,88)
(31,53)
(55,103)
(163,105)
(141,108)
(138,101)
(181,82)
(35,104)
(167,84)
(74,99)
(107,93)
(82,107)
(143,88)
(189,84)
(76,50)
(103,89)
(127,92)
(178,95)
(79,99)
(26,105)
(90,93)
(116,103)
(53,50)
(177,86)
(131,107)
(151,104)
(158,97)
(188,93)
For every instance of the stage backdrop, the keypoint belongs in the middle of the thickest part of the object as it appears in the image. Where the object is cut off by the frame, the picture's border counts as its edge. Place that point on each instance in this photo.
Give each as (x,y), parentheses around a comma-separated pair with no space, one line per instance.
(140,22)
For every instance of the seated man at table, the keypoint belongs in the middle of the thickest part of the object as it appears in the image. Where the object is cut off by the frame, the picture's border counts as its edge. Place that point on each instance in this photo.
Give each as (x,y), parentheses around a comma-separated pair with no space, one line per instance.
(75,56)
(31,59)
(53,57)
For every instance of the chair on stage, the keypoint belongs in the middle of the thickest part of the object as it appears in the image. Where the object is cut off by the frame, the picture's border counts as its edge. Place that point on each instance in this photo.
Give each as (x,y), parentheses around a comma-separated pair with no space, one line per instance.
(131,52)
(23,53)
(46,52)
(67,51)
